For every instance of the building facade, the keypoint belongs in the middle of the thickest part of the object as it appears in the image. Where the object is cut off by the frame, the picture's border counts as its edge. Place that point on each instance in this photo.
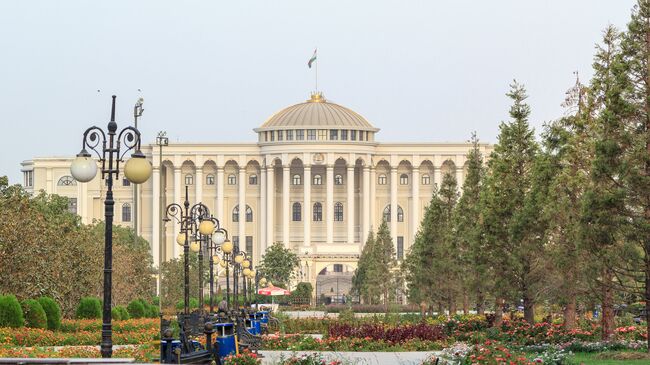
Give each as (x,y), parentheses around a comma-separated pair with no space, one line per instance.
(316,180)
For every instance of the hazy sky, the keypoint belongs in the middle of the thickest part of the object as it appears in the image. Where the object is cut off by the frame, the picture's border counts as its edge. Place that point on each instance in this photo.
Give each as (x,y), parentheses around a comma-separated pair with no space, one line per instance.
(211,71)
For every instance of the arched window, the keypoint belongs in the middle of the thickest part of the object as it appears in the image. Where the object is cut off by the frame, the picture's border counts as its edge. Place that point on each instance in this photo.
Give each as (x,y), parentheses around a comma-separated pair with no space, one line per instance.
(67,181)
(400,214)
(252,179)
(297,179)
(297,212)
(338,180)
(249,214)
(318,212)
(318,180)
(338,212)
(381,180)
(403,179)
(235,214)
(386,214)
(126,212)
(189,179)
(426,179)
(232,179)
(209,180)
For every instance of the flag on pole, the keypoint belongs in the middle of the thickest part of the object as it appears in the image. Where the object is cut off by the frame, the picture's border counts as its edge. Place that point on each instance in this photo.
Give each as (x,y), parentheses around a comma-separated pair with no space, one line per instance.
(312,59)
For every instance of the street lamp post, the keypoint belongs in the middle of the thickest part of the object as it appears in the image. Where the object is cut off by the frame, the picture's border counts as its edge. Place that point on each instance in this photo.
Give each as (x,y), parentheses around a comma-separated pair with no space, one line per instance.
(187,217)
(137,113)
(161,141)
(214,249)
(108,147)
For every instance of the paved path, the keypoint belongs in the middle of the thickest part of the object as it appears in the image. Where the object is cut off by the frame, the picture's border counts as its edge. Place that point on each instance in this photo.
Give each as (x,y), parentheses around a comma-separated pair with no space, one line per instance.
(355,358)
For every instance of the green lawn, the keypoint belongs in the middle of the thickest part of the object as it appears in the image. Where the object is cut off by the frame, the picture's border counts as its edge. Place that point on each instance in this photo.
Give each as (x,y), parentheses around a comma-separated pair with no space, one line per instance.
(597,359)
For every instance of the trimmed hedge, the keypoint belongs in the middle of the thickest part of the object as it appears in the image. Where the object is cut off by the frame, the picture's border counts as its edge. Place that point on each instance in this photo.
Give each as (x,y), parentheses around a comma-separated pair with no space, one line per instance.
(136,309)
(89,308)
(11,313)
(52,312)
(35,316)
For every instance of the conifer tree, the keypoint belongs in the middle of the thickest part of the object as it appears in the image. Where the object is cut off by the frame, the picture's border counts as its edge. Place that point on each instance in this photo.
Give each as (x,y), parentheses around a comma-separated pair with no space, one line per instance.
(504,196)
(381,274)
(359,284)
(468,229)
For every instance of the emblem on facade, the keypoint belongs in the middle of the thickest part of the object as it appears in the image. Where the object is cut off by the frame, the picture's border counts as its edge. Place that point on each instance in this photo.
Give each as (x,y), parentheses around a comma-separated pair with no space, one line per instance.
(319,158)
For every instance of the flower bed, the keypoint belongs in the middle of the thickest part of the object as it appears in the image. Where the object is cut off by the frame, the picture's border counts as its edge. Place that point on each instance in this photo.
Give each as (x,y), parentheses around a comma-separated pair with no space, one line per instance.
(390,334)
(39,337)
(306,343)
(141,353)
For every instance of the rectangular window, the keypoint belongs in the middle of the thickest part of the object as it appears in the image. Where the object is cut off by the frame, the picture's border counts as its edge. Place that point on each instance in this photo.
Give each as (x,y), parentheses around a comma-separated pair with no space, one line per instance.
(360,135)
(338,267)
(334,134)
(400,247)
(72,205)
(235,241)
(344,135)
(280,135)
(289,135)
(300,134)
(266,136)
(322,134)
(126,182)
(249,245)
(353,135)
(311,134)
(272,133)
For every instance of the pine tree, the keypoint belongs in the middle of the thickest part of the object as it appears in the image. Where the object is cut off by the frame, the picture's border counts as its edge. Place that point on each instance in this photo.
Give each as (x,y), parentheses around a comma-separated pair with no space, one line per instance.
(604,204)
(468,229)
(381,273)
(504,196)
(359,279)
(636,164)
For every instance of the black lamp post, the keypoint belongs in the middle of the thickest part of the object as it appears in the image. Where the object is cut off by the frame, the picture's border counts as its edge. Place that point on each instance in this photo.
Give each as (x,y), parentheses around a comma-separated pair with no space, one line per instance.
(110,148)
(214,247)
(193,221)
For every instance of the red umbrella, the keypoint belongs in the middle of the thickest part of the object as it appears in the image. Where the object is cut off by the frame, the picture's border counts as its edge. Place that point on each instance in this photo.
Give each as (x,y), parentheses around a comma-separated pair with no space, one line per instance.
(273,291)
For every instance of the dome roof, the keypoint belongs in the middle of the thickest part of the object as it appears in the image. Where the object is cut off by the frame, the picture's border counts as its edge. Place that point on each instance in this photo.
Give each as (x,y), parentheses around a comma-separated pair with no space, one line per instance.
(316,113)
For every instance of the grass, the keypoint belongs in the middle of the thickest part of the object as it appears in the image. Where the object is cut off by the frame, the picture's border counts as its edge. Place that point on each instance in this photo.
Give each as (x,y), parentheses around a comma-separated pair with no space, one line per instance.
(612,358)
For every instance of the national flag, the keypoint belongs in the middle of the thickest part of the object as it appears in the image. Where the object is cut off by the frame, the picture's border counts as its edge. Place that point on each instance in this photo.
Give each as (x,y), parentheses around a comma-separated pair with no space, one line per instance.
(312,59)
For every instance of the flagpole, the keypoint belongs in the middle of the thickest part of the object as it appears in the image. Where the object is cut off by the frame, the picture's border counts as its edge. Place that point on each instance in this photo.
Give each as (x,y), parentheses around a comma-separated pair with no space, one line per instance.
(316,69)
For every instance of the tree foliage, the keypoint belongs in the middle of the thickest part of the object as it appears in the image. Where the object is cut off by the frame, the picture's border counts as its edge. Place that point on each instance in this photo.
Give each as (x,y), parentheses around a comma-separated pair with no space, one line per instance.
(279,265)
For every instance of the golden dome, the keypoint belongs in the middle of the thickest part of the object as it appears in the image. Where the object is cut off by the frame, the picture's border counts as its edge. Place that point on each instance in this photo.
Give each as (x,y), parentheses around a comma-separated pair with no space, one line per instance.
(316,113)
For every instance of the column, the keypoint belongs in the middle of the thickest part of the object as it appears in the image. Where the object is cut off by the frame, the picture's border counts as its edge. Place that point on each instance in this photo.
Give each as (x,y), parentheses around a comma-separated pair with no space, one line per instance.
(178,198)
(198,185)
(285,205)
(437,177)
(155,219)
(414,217)
(366,205)
(241,226)
(330,204)
(263,214)
(393,203)
(350,201)
(270,205)
(306,206)
(373,198)
(219,206)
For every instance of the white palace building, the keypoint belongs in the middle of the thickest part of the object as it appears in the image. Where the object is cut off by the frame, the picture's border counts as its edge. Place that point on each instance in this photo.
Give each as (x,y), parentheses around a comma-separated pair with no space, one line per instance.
(316,180)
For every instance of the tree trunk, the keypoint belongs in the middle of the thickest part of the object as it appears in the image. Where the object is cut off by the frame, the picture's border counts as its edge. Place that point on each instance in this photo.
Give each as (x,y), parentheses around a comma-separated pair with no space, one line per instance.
(498,312)
(529,309)
(452,306)
(465,303)
(441,309)
(607,321)
(570,314)
(480,302)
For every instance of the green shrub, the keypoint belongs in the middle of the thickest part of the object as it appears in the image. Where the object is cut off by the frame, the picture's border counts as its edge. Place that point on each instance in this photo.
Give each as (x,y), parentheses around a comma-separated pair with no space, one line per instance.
(89,308)
(136,309)
(35,316)
(52,312)
(194,303)
(155,301)
(11,314)
(152,311)
(124,313)
(116,315)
